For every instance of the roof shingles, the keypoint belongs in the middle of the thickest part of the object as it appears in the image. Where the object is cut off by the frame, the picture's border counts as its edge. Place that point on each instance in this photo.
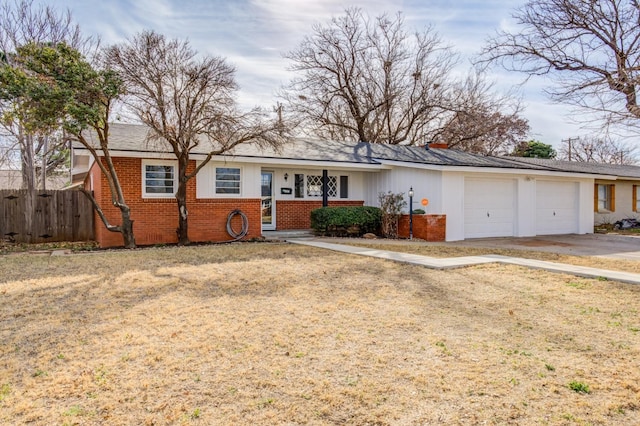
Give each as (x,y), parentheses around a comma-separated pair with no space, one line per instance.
(134,138)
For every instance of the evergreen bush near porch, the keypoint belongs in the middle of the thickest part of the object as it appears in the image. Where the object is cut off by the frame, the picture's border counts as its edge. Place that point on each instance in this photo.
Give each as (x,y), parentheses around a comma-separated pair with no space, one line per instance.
(346,221)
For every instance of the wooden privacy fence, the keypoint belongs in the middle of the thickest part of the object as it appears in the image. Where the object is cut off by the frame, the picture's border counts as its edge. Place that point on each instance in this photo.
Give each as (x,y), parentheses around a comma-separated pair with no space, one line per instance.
(45,216)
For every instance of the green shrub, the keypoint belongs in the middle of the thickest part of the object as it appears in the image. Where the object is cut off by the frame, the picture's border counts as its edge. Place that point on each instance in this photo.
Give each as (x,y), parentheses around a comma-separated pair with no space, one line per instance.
(418,211)
(346,221)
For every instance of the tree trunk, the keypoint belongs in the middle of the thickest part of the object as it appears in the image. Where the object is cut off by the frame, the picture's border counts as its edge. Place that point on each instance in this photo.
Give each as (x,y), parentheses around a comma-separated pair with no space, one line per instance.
(45,152)
(126,229)
(181,197)
(29,213)
(28,180)
(28,162)
(183,214)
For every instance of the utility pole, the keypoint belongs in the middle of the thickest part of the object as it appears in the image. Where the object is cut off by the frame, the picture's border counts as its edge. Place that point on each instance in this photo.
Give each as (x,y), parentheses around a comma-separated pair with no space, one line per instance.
(569,148)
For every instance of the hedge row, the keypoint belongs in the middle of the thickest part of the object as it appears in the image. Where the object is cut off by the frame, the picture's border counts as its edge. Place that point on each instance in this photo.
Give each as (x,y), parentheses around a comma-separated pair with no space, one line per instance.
(346,221)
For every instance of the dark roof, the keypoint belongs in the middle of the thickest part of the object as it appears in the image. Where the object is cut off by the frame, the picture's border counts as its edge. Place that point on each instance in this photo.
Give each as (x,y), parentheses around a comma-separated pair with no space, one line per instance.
(367,153)
(134,138)
(581,167)
(443,157)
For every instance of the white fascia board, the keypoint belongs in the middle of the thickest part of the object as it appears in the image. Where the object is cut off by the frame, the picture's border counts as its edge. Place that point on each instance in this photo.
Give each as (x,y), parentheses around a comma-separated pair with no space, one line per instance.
(495,170)
(620,178)
(133,154)
(333,165)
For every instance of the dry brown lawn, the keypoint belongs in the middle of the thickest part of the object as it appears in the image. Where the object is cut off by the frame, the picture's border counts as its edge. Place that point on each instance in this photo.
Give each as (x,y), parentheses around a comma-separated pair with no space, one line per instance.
(452,250)
(272,334)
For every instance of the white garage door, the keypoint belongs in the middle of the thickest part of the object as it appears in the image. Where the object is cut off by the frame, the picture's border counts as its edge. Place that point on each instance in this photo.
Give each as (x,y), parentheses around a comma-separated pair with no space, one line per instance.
(489,207)
(556,207)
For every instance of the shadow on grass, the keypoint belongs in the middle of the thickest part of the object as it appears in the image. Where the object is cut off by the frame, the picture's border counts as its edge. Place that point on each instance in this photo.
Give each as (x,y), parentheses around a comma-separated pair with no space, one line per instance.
(25,266)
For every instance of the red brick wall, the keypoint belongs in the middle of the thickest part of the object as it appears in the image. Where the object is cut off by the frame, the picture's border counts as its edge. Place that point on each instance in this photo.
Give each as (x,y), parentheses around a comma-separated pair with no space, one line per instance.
(428,227)
(156,220)
(296,214)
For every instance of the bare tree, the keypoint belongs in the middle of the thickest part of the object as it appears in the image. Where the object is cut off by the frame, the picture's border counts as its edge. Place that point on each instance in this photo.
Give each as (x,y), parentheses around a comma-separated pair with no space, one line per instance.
(597,150)
(590,48)
(188,102)
(23,22)
(486,123)
(369,80)
(485,132)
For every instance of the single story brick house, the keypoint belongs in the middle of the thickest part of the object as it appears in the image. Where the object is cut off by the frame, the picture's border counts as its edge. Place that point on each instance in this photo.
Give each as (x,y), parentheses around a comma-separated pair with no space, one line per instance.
(277,189)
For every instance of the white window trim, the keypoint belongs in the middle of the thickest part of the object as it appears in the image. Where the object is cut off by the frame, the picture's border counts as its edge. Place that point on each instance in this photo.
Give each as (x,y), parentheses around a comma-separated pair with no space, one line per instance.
(215,174)
(145,163)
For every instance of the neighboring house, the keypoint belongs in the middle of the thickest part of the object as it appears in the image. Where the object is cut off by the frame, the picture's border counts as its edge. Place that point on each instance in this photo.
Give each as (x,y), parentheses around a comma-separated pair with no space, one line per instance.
(12,179)
(616,187)
(277,189)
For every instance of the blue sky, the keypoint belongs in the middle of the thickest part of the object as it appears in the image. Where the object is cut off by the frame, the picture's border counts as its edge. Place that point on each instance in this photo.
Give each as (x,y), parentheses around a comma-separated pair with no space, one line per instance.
(254,34)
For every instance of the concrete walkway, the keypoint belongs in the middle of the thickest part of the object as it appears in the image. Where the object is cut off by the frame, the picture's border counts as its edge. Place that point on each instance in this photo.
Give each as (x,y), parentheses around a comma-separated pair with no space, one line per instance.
(459,262)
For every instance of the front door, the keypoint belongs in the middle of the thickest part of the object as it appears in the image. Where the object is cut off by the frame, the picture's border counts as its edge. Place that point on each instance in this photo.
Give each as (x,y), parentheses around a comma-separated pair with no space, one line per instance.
(268,202)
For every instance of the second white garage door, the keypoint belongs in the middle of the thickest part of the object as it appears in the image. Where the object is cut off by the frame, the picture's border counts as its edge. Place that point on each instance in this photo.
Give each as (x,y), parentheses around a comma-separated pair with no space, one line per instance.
(489,207)
(556,207)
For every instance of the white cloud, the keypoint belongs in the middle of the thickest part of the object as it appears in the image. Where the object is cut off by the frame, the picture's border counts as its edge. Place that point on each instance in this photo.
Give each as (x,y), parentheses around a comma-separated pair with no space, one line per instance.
(253,35)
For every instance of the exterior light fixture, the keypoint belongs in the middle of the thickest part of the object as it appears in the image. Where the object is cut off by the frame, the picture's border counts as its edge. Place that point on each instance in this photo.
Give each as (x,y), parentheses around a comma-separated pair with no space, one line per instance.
(286,176)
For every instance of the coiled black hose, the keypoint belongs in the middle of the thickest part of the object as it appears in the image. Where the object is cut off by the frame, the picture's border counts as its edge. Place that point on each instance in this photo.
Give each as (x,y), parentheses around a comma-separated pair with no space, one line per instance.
(245,225)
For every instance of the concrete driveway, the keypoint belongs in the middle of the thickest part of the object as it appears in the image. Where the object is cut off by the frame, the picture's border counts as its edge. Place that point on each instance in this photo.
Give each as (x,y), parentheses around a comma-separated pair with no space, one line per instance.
(603,245)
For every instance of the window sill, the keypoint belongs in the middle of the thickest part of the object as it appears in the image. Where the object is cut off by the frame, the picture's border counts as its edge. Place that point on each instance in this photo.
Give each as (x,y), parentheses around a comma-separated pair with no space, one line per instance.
(151,197)
(225,196)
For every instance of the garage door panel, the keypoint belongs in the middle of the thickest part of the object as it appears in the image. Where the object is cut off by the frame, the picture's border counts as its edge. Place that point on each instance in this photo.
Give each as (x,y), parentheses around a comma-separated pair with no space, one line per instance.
(556,207)
(489,208)
(564,201)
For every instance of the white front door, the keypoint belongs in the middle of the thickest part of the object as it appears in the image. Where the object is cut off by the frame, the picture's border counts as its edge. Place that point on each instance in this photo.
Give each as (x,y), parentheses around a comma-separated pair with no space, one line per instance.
(268,202)
(489,207)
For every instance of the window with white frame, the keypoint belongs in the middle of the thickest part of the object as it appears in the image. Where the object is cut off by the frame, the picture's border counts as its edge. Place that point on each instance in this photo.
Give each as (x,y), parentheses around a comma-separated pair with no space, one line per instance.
(159,178)
(227,180)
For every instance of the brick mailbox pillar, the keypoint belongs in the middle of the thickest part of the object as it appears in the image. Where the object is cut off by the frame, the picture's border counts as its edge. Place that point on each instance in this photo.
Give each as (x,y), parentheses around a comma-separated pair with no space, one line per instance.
(428,227)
